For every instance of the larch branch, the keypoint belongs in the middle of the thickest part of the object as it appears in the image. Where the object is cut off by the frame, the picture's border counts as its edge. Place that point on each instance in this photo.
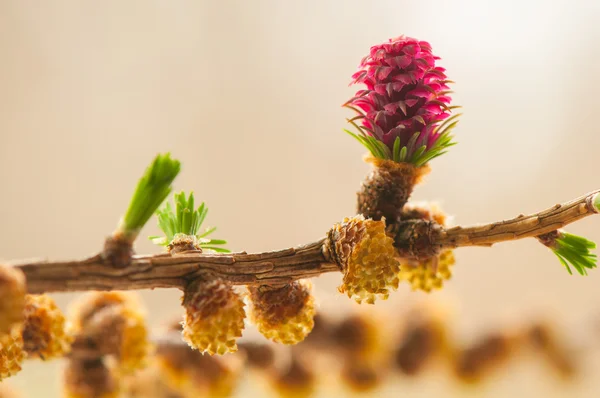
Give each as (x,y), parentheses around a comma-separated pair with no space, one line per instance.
(522,226)
(175,271)
(276,267)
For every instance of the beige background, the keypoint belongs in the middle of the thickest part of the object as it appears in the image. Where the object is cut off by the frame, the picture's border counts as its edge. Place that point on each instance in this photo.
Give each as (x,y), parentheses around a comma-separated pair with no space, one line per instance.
(247,94)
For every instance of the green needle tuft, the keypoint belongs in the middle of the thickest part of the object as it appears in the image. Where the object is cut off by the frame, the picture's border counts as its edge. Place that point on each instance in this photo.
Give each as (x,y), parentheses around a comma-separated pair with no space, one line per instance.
(152,189)
(575,251)
(185,220)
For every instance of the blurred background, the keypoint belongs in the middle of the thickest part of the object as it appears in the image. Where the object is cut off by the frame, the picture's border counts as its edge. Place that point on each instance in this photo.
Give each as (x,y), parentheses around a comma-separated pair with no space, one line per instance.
(247,94)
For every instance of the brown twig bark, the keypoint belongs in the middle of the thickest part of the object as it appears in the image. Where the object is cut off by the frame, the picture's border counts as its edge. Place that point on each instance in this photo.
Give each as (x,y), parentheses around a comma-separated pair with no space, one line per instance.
(277,267)
(175,271)
(522,226)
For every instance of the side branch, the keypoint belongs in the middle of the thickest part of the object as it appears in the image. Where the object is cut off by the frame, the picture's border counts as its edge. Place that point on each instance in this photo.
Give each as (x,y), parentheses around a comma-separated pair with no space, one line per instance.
(175,271)
(522,226)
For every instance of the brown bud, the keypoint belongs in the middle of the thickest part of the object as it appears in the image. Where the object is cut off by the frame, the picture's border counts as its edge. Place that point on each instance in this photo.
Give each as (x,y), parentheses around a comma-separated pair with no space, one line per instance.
(424,211)
(385,191)
(118,250)
(183,243)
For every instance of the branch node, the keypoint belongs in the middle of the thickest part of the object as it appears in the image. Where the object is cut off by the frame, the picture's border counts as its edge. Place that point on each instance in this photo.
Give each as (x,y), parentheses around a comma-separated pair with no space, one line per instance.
(117,251)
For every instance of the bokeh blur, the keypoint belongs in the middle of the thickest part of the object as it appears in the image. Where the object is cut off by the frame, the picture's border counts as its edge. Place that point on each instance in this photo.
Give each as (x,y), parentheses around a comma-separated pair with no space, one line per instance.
(247,94)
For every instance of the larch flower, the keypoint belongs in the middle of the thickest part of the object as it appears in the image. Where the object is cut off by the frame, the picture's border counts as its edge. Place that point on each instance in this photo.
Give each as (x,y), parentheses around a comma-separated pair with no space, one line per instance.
(359,337)
(214,316)
(297,380)
(283,315)
(365,253)
(404,111)
(428,274)
(12,353)
(112,323)
(191,373)
(44,332)
(423,339)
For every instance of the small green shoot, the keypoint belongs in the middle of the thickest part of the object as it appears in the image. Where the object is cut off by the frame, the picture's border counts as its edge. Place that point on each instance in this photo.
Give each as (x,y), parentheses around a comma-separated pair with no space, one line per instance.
(152,189)
(185,220)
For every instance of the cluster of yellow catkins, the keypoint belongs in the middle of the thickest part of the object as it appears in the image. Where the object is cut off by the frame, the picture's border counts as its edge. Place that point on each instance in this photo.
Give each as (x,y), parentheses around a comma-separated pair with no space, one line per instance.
(215,315)
(30,325)
(370,262)
(110,324)
(110,330)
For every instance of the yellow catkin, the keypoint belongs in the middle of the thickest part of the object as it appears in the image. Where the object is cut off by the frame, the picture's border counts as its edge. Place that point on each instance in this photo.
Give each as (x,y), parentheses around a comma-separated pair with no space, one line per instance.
(370,269)
(89,378)
(295,381)
(284,315)
(226,382)
(193,374)
(214,317)
(360,336)
(430,274)
(44,328)
(115,322)
(135,344)
(12,297)
(149,383)
(89,304)
(425,276)
(362,377)
(11,352)
(175,377)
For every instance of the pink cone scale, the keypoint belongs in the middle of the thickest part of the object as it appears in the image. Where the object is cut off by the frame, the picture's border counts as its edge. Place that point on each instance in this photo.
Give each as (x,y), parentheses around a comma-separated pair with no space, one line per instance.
(404,112)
